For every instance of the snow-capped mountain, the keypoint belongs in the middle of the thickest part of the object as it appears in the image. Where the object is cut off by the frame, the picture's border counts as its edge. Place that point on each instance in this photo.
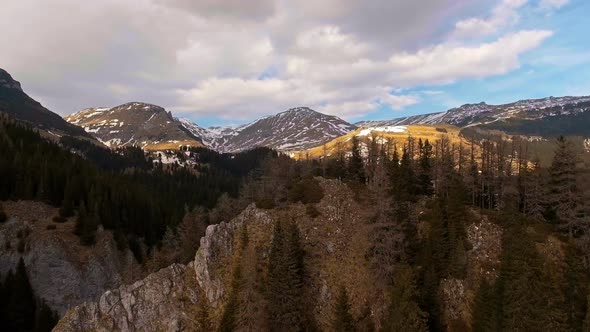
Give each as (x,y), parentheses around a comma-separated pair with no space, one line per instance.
(482,113)
(134,124)
(294,129)
(16,103)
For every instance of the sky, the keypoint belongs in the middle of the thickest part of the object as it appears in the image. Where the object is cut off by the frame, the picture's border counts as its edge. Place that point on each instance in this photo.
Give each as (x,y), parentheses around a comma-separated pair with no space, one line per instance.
(227,62)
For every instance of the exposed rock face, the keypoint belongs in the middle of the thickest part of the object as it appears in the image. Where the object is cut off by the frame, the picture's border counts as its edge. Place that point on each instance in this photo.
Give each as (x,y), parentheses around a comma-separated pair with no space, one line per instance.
(163,301)
(60,270)
(217,246)
(168,299)
(336,244)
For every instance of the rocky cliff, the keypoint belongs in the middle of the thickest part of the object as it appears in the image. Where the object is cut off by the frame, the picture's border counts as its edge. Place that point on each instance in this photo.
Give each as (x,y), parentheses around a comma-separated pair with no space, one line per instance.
(60,270)
(336,244)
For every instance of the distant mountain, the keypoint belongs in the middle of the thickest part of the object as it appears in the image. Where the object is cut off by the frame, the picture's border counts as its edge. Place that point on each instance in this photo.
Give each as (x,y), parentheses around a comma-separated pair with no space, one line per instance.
(135,124)
(15,102)
(295,129)
(542,117)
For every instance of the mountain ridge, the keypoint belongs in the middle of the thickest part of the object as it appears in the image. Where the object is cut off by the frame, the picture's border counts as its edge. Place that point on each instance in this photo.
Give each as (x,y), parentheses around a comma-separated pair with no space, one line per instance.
(471,114)
(139,124)
(16,103)
(293,129)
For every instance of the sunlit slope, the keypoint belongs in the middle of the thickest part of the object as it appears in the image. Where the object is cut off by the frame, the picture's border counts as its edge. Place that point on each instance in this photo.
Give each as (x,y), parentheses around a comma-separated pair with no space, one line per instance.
(392,135)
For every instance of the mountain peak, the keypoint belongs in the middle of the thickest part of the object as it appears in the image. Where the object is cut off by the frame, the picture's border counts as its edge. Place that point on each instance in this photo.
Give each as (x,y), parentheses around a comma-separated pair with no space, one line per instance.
(297,128)
(135,124)
(6,81)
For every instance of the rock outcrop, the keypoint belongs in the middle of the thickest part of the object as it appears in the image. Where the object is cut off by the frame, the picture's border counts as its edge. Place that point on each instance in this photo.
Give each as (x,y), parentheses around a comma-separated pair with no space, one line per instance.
(163,301)
(217,246)
(169,300)
(60,270)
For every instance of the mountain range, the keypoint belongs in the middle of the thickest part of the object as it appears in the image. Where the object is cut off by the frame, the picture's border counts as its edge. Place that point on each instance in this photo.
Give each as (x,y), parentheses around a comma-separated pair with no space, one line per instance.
(151,127)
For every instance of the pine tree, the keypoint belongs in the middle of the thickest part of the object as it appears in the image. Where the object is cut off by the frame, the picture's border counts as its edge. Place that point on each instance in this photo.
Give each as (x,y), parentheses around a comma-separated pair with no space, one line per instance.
(531,299)
(485,312)
(3,216)
(20,305)
(564,194)
(285,280)
(67,205)
(586,325)
(229,317)
(343,320)
(425,176)
(203,316)
(46,319)
(403,313)
(355,163)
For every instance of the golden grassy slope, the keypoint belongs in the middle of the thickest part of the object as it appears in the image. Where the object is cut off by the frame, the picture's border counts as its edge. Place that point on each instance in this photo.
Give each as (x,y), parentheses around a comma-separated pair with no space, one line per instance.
(343,143)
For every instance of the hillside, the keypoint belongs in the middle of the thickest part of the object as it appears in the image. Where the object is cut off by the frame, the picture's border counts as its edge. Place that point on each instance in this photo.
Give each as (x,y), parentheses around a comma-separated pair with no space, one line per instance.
(386,135)
(143,125)
(482,113)
(17,104)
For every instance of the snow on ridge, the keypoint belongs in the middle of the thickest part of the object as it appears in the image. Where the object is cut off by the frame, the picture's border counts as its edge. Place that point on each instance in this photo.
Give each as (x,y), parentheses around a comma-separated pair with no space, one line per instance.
(385,129)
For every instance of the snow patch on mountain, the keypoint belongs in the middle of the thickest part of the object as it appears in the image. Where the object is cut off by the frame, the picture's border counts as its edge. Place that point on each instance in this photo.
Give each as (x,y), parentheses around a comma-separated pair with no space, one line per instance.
(295,129)
(386,129)
(475,114)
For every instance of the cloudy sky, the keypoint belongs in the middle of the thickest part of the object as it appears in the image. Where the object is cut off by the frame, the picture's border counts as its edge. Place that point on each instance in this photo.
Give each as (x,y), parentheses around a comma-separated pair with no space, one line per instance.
(222,62)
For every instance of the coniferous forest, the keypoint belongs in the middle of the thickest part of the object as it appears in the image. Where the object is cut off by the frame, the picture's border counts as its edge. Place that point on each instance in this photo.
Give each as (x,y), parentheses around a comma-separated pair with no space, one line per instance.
(149,207)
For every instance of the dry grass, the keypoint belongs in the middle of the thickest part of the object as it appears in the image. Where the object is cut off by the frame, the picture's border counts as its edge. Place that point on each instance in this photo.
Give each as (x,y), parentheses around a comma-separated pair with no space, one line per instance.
(343,143)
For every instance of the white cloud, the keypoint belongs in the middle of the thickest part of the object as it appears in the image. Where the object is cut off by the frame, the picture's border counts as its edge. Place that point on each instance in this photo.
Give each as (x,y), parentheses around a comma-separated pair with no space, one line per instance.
(447,63)
(241,59)
(503,15)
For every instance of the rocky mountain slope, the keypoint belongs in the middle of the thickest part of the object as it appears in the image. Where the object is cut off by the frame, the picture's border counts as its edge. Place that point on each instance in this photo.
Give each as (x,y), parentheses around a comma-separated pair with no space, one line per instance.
(61,271)
(134,124)
(294,129)
(501,116)
(336,243)
(16,103)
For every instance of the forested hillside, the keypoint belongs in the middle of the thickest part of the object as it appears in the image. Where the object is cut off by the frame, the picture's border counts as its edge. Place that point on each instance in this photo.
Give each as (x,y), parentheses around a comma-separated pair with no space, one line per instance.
(122,190)
(418,236)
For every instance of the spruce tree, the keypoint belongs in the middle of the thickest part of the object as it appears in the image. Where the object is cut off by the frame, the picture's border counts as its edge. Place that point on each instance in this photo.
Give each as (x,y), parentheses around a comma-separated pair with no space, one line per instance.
(229,317)
(564,193)
(20,304)
(86,225)
(531,299)
(46,319)
(586,325)
(67,205)
(404,313)
(485,312)
(425,173)
(285,280)
(355,163)
(3,216)
(343,320)
(203,316)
